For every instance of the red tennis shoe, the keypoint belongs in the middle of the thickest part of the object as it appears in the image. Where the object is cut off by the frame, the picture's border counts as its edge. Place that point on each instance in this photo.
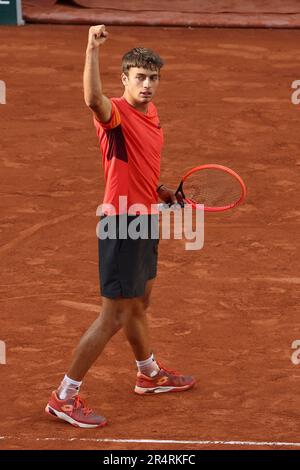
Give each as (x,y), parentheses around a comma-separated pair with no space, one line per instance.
(74,411)
(164,381)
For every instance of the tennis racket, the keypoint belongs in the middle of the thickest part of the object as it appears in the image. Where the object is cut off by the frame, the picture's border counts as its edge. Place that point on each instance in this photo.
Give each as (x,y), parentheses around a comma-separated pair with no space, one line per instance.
(217,187)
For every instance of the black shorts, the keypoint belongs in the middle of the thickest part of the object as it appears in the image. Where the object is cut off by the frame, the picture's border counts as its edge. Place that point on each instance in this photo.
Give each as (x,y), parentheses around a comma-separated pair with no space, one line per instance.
(125,265)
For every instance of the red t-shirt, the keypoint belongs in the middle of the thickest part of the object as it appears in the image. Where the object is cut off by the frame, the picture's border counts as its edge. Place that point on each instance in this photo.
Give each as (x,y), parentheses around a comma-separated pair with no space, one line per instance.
(131,144)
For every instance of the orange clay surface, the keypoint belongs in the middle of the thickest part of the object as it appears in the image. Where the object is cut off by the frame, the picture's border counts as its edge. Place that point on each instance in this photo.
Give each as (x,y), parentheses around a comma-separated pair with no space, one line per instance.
(226,314)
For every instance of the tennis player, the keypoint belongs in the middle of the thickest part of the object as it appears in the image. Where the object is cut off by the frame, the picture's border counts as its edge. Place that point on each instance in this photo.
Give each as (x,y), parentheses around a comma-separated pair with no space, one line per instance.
(131,141)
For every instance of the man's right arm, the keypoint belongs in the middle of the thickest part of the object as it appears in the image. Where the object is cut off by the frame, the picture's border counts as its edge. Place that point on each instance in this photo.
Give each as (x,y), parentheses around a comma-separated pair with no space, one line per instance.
(93,97)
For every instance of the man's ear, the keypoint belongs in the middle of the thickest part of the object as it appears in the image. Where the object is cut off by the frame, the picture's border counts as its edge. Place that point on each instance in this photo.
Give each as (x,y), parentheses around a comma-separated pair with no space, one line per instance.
(124,79)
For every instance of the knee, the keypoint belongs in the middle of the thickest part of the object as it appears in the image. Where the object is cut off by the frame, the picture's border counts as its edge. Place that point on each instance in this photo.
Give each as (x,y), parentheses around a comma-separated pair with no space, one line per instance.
(134,309)
(113,318)
(117,318)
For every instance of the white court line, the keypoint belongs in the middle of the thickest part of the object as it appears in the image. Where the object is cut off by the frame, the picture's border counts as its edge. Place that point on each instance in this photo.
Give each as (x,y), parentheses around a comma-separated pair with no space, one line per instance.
(156,441)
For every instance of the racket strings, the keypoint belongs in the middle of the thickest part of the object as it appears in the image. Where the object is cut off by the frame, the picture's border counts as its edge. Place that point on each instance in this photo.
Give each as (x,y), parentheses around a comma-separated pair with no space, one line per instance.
(213,188)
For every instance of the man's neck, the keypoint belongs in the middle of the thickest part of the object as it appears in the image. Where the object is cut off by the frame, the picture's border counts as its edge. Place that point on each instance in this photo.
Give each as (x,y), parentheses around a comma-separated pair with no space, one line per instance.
(142,107)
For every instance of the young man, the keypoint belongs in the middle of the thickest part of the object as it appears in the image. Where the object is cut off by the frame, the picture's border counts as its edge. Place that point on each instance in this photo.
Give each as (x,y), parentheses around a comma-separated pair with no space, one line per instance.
(131,140)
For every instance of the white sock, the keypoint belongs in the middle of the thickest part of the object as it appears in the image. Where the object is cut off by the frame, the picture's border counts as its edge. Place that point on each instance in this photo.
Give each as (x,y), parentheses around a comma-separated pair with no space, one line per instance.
(68,388)
(148,367)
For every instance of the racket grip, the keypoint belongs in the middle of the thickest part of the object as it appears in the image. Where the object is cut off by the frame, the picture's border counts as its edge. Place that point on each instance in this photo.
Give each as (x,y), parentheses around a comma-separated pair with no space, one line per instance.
(165,206)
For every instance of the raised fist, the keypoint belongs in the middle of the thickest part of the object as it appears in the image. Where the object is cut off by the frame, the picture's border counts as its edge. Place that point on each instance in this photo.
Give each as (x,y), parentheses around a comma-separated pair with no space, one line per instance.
(97,35)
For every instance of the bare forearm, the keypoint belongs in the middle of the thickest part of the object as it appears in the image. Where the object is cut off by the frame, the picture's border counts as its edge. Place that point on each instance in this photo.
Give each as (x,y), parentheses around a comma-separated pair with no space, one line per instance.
(91,77)
(93,96)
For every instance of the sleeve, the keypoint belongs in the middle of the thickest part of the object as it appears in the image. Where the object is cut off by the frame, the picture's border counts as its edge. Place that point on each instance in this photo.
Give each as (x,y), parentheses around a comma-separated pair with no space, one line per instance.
(114,121)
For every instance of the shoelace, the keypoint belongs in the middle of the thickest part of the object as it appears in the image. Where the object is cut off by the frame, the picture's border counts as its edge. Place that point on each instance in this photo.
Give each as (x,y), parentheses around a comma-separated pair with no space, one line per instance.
(169,371)
(79,403)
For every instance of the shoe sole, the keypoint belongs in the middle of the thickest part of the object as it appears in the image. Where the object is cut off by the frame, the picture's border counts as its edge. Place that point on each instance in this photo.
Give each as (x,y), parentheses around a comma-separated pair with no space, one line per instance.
(63,416)
(155,390)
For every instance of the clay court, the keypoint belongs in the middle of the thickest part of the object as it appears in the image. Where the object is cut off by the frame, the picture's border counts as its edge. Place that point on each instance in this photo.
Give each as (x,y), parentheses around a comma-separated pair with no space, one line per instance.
(226,314)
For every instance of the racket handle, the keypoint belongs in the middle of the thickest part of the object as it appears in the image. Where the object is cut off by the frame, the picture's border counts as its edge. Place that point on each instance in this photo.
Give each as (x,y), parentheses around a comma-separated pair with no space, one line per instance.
(164,206)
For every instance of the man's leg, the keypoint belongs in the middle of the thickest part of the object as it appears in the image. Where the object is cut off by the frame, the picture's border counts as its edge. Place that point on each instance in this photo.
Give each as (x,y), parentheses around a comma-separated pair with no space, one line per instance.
(65,403)
(152,377)
(96,337)
(107,325)
(135,324)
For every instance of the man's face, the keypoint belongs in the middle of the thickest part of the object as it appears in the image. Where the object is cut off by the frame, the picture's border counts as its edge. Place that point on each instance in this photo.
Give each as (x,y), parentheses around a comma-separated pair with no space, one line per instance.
(141,84)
